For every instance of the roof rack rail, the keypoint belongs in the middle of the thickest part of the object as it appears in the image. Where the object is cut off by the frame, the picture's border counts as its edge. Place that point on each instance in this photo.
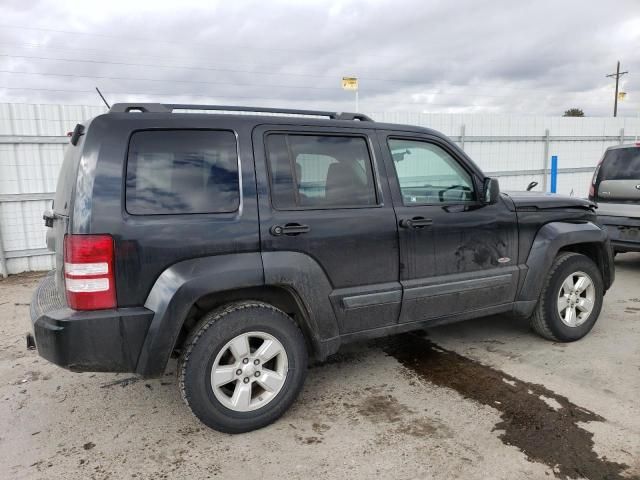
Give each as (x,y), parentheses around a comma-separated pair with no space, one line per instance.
(170,107)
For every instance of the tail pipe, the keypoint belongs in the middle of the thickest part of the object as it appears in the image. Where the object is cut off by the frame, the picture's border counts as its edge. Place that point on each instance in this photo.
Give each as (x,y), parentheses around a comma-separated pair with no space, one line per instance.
(31,342)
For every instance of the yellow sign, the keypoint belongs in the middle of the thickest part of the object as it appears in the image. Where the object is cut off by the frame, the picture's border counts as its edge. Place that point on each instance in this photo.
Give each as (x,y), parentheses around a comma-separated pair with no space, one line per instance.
(349,83)
(622,95)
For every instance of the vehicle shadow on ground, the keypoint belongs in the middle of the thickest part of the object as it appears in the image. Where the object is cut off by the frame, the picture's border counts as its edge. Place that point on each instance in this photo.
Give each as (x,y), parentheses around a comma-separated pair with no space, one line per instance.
(504,325)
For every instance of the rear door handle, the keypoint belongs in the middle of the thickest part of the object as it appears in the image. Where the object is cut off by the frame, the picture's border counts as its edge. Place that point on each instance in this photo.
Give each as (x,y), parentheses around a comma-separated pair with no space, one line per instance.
(415,222)
(289,229)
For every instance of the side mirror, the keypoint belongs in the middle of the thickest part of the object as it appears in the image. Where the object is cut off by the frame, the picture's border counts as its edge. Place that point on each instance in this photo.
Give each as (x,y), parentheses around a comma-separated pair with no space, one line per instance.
(491,191)
(531,186)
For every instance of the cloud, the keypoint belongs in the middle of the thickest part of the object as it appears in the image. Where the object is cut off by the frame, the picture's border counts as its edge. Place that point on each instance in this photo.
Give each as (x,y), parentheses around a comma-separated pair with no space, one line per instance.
(465,56)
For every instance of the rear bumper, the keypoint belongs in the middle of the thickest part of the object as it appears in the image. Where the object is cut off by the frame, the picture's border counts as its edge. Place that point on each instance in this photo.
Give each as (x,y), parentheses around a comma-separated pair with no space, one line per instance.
(624,232)
(96,341)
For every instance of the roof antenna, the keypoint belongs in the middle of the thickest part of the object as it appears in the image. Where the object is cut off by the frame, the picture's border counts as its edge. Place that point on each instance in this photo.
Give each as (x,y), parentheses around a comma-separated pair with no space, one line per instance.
(102,97)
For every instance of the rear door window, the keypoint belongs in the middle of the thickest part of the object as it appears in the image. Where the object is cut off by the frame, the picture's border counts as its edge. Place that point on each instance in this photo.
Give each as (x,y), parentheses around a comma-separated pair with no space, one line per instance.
(621,164)
(181,172)
(319,171)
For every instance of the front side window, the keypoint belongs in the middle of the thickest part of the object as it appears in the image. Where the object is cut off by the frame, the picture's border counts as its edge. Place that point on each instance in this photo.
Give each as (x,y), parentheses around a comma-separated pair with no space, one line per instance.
(428,174)
(319,171)
(182,171)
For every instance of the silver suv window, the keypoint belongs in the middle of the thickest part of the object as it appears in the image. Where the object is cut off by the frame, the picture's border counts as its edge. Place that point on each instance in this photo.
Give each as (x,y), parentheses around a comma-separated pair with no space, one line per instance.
(621,164)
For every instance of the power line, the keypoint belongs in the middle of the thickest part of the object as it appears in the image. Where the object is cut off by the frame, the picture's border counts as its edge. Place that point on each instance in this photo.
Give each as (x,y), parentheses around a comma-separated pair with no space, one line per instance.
(186,67)
(167,94)
(236,84)
(176,94)
(202,82)
(94,51)
(99,77)
(211,68)
(252,72)
(243,71)
(105,77)
(234,70)
(154,65)
(232,97)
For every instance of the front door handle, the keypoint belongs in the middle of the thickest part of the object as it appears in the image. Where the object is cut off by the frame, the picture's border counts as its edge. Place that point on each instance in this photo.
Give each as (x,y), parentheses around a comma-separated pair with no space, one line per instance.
(289,229)
(415,222)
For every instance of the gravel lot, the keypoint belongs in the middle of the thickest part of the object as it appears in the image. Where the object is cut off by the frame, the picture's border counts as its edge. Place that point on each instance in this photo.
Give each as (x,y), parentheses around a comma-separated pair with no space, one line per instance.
(475,400)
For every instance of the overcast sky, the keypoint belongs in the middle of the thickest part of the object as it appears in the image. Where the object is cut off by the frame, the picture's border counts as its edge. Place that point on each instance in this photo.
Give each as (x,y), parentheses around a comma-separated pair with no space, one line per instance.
(517,57)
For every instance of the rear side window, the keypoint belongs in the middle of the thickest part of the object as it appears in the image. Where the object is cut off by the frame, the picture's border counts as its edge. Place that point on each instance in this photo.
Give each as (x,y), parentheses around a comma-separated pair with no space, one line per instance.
(319,171)
(621,164)
(182,171)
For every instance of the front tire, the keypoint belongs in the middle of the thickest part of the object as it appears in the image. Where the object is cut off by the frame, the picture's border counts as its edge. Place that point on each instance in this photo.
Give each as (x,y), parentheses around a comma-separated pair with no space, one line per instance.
(243,366)
(571,299)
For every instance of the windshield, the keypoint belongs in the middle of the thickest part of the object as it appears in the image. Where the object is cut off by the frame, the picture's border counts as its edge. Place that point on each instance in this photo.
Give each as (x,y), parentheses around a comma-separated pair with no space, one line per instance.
(621,164)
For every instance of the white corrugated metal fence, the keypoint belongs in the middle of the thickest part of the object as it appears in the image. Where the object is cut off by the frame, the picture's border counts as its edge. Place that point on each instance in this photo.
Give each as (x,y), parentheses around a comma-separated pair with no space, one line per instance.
(32,142)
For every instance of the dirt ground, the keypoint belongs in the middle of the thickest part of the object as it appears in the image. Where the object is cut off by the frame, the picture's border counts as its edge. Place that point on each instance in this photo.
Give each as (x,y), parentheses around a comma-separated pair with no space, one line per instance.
(485,399)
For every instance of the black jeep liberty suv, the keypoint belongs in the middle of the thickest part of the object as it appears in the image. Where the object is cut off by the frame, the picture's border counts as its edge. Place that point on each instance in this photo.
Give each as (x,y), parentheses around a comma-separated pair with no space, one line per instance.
(243,244)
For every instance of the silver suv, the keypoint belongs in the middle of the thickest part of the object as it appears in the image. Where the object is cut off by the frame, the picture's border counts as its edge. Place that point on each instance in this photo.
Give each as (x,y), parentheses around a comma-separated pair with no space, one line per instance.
(615,187)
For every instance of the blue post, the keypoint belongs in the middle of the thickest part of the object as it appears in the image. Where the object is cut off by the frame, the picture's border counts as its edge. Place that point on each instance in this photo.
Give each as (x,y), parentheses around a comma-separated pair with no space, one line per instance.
(554,173)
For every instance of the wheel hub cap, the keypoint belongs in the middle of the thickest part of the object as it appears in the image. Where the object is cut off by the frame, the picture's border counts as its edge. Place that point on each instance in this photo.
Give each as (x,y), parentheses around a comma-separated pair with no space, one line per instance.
(576,299)
(249,371)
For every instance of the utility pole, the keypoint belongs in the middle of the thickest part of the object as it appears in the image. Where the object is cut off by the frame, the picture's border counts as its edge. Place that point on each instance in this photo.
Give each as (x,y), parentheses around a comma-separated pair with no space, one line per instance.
(617,76)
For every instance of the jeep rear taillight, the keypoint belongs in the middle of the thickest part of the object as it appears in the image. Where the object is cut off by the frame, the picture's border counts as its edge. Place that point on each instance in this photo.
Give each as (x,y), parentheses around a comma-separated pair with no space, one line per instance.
(594,179)
(88,272)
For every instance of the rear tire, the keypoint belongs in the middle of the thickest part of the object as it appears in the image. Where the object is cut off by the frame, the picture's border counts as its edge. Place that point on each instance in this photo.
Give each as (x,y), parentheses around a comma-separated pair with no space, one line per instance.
(571,299)
(236,395)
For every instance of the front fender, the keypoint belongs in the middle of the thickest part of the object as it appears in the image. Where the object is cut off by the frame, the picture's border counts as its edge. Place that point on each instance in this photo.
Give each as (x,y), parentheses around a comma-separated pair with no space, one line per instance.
(548,241)
(178,288)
